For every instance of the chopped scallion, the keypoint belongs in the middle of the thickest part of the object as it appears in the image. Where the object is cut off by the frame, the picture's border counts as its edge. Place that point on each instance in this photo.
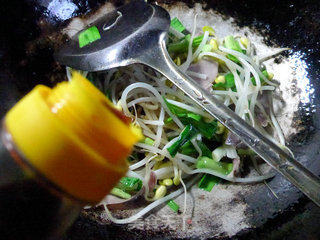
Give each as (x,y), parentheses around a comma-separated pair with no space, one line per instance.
(177,25)
(120,193)
(208,181)
(221,167)
(173,205)
(88,36)
(129,184)
(186,135)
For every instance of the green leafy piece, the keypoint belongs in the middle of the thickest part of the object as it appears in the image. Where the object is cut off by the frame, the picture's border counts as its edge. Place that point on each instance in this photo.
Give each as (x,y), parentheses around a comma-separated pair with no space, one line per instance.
(173,205)
(208,181)
(179,47)
(186,135)
(265,73)
(182,45)
(209,163)
(120,193)
(149,141)
(129,184)
(207,129)
(177,25)
(188,149)
(205,150)
(88,36)
(233,58)
(229,83)
(231,43)
(175,109)
(207,48)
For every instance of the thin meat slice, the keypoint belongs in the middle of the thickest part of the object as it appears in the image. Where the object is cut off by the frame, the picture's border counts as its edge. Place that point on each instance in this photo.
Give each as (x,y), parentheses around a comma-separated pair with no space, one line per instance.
(207,72)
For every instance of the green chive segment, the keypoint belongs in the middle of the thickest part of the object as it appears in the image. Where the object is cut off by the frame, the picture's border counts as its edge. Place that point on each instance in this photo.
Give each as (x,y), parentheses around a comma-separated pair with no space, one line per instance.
(177,25)
(208,181)
(88,36)
(173,205)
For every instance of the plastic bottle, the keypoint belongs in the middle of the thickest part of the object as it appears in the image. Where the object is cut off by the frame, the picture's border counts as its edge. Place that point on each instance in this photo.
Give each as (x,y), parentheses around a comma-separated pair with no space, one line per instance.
(60,149)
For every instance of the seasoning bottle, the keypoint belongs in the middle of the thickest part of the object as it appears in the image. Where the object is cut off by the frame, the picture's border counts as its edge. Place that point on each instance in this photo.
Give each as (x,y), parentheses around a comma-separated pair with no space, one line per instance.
(60,149)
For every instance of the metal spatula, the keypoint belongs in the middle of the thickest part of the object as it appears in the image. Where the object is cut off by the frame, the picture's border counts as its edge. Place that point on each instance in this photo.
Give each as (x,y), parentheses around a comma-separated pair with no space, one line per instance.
(136,33)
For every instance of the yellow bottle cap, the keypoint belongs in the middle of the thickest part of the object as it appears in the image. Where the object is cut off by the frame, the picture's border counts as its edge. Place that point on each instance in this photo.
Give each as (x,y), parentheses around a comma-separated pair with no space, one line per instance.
(74,136)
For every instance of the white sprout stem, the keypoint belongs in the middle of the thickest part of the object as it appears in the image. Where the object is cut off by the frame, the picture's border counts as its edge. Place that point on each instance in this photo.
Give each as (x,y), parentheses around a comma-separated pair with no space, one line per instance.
(184,203)
(134,174)
(250,60)
(155,92)
(141,100)
(189,108)
(255,179)
(68,72)
(176,33)
(160,129)
(183,67)
(200,47)
(197,75)
(223,58)
(275,122)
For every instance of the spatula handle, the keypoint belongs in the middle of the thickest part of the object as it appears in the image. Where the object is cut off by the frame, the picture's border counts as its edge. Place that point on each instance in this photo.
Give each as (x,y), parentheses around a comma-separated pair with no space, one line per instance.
(296,173)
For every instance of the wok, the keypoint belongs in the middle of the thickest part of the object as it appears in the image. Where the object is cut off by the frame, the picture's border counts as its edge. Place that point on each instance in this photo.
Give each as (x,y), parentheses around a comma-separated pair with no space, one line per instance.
(31,30)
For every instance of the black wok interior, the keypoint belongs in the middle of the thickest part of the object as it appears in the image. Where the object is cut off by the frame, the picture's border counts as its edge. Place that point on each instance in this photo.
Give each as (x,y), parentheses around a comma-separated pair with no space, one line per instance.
(27,41)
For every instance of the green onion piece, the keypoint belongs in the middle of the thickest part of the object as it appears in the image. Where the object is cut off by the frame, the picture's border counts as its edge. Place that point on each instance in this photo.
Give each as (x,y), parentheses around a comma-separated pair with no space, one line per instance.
(233,44)
(205,150)
(177,25)
(173,205)
(168,120)
(175,109)
(193,116)
(129,184)
(206,129)
(207,48)
(186,135)
(229,83)
(209,163)
(208,181)
(119,193)
(179,47)
(265,73)
(183,44)
(149,141)
(197,40)
(188,149)
(88,36)
(233,58)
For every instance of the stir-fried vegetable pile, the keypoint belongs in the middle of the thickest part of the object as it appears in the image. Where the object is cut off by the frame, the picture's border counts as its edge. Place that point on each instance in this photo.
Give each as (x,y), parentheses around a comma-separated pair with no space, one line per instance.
(181,139)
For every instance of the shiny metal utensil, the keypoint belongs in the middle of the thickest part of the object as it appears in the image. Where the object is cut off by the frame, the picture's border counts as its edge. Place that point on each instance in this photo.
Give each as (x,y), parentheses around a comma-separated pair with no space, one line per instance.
(136,33)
